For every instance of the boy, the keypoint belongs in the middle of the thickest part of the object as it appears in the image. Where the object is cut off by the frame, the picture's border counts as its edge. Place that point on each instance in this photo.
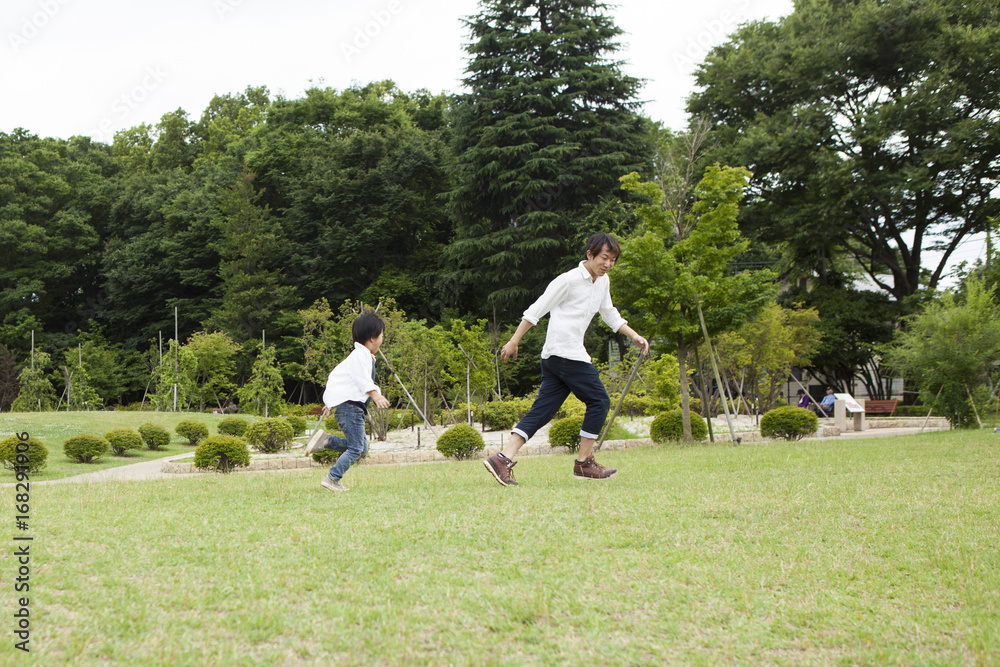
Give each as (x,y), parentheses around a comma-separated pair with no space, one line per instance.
(572,298)
(350,386)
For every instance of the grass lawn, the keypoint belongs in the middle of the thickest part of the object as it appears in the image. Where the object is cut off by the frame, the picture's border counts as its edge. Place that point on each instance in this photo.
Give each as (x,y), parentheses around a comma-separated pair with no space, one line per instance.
(879,551)
(52,428)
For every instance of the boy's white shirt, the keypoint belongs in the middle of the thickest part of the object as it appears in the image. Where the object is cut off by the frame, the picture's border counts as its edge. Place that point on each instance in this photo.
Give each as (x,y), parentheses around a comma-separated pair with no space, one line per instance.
(351,380)
(571,300)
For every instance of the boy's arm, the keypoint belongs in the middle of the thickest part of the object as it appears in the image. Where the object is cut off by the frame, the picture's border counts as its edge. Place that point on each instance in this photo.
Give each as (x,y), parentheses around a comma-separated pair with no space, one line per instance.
(635,338)
(509,351)
(379,400)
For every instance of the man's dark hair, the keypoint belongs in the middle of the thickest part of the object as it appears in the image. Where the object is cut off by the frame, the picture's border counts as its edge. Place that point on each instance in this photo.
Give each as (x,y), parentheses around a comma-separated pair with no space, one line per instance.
(366,327)
(597,243)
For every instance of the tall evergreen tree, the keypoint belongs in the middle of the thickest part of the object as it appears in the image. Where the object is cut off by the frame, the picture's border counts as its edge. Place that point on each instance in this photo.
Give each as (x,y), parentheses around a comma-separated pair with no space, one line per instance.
(548,128)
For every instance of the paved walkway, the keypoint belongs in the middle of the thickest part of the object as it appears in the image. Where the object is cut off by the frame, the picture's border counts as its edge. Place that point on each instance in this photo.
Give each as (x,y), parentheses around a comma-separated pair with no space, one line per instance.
(181,465)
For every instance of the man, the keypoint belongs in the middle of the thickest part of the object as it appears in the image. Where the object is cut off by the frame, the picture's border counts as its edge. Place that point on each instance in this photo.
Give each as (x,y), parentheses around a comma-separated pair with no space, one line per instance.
(571,299)
(825,408)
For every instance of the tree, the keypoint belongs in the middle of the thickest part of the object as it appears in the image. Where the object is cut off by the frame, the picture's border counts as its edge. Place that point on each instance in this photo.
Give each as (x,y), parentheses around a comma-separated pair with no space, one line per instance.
(760,355)
(9,385)
(665,284)
(547,129)
(952,349)
(253,293)
(871,127)
(37,393)
(263,394)
(214,365)
(854,325)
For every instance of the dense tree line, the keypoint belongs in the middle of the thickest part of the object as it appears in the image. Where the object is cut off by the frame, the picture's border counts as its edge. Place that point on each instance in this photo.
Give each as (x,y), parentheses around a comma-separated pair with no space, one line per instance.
(869,129)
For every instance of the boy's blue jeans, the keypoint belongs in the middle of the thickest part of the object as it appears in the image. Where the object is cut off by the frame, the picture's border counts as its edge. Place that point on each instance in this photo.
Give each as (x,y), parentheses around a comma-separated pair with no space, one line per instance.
(560,377)
(351,420)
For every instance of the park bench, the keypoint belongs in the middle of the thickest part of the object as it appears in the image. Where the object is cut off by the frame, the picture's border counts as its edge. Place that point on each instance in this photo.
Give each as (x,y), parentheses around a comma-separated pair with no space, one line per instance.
(880,407)
(316,412)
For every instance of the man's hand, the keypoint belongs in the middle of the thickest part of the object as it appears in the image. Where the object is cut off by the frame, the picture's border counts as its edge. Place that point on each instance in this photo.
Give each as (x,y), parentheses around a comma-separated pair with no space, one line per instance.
(380,401)
(642,343)
(509,351)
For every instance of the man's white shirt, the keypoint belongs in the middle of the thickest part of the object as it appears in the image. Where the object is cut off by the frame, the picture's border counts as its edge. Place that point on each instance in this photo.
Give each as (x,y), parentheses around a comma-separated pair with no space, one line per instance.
(571,300)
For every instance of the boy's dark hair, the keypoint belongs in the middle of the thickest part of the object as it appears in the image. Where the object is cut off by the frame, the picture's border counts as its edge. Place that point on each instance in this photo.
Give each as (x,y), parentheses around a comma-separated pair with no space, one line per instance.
(597,242)
(366,327)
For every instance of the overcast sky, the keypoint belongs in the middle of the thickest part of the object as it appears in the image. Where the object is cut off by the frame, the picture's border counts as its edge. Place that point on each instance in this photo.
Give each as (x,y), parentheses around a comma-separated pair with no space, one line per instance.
(93,67)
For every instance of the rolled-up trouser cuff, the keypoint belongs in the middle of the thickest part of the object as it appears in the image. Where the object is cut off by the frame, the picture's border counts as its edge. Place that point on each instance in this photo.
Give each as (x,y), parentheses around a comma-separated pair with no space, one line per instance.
(521,433)
(592,436)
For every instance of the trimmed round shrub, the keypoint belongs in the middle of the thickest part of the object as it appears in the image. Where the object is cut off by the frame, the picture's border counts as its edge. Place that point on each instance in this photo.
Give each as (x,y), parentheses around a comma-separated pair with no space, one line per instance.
(85,447)
(270,435)
(670,426)
(789,423)
(193,431)
(233,426)
(222,453)
(154,436)
(460,442)
(123,439)
(566,433)
(500,415)
(298,424)
(33,449)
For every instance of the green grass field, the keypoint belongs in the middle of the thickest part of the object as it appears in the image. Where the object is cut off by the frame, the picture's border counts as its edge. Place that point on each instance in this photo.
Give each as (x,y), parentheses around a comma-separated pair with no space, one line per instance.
(880,551)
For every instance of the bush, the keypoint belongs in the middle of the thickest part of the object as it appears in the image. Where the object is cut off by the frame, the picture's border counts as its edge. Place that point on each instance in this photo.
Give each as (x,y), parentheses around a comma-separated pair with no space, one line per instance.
(233,426)
(123,439)
(154,435)
(270,435)
(670,426)
(566,433)
(500,415)
(85,447)
(298,423)
(37,454)
(460,442)
(194,431)
(223,453)
(788,423)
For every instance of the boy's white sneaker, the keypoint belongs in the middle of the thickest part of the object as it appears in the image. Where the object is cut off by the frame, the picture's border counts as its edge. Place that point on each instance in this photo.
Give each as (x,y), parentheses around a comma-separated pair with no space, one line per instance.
(316,442)
(333,484)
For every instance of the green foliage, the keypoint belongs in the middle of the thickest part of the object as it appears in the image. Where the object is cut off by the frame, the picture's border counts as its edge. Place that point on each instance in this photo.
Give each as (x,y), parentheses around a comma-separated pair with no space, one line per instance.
(36,392)
(851,123)
(563,155)
(566,433)
(233,426)
(270,435)
(154,435)
(123,439)
(176,369)
(669,426)
(502,415)
(213,365)
(262,394)
(85,447)
(790,423)
(194,431)
(951,350)
(298,424)
(911,411)
(460,442)
(36,452)
(665,284)
(763,351)
(223,453)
